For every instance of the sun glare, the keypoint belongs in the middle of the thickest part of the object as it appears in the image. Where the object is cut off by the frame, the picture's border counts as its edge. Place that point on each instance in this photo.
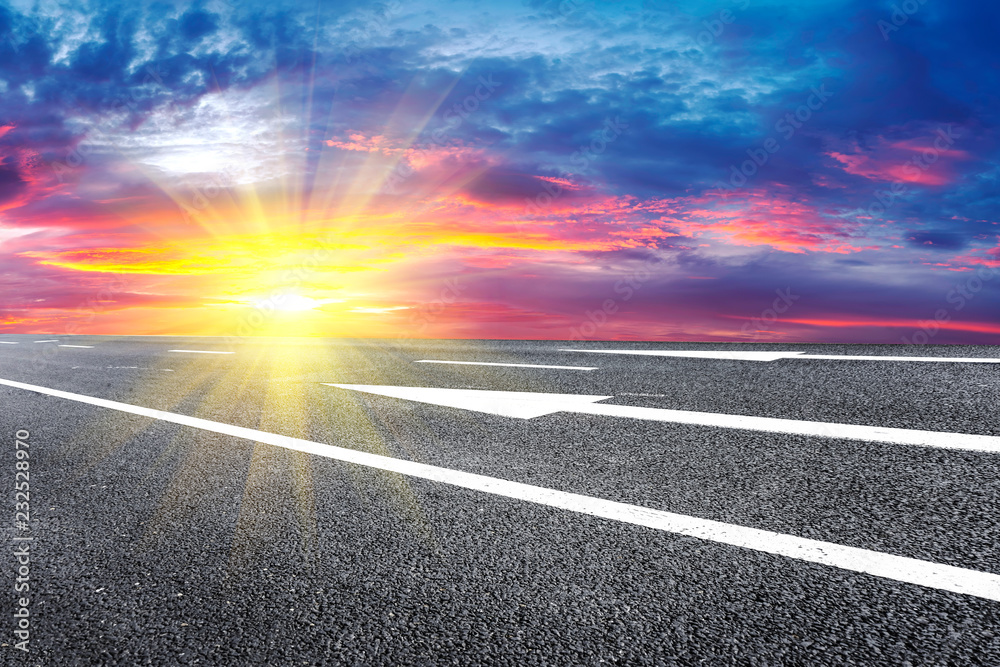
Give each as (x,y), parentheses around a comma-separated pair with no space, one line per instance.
(291,303)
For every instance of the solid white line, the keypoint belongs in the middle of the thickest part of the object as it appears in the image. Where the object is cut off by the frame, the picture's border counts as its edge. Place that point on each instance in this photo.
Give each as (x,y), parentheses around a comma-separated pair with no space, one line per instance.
(898,568)
(491,363)
(775,356)
(201,351)
(958,360)
(697,354)
(54,340)
(528,405)
(87,346)
(897,436)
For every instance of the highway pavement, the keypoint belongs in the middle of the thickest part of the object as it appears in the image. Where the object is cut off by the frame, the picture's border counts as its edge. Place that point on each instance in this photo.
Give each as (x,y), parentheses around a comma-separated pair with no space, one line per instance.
(276,501)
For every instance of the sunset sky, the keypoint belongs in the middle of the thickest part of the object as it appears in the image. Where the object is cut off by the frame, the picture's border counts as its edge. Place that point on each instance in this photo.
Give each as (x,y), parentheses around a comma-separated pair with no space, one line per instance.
(824,171)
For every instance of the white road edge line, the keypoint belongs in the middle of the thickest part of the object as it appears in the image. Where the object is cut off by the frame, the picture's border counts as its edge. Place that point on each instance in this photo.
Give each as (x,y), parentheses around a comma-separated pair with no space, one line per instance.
(493,363)
(888,566)
(775,356)
(87,346)
(202,351)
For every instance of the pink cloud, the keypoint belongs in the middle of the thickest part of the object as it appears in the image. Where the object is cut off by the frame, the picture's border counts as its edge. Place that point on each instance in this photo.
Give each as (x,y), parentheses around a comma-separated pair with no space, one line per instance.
(928,159)
(764,218)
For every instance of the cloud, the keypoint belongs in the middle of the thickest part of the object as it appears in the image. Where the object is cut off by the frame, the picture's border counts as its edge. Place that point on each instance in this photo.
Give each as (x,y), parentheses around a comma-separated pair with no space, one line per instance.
(195,24)
(203,148)
(11,183)
(938,240)
(927,160)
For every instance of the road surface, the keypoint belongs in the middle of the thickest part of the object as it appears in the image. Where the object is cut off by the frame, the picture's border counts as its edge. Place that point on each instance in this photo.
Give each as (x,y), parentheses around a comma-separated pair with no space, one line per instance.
(284,501)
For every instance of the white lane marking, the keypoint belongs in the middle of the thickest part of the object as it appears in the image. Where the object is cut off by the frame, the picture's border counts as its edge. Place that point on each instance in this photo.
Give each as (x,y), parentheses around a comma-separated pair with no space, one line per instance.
(492,363)
(8,342)
(957,360)
(54,340)
(697,354)
(888,566)
(520,404)
(896,436)
(526,405)
(202,351)
(145,368)
(775,356)
(87,346)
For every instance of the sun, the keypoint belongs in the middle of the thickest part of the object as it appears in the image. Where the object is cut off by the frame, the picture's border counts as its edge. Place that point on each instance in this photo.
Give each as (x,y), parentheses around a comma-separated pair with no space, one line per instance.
(291,303)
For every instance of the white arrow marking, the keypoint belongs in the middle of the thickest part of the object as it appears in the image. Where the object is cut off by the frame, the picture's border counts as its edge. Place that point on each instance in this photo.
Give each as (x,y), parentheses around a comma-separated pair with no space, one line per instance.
(526,405)
(896,568)
(775,356)
(493,363)
(520,404)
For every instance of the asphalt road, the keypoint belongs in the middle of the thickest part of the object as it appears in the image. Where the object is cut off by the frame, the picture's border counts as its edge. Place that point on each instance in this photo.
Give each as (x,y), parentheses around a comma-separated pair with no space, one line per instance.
(158,543)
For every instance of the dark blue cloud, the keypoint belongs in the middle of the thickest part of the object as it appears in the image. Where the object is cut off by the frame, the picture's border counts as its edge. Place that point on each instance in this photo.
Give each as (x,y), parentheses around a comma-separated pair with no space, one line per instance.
(195,24)
(11,183)
(108,59)
(938,240)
